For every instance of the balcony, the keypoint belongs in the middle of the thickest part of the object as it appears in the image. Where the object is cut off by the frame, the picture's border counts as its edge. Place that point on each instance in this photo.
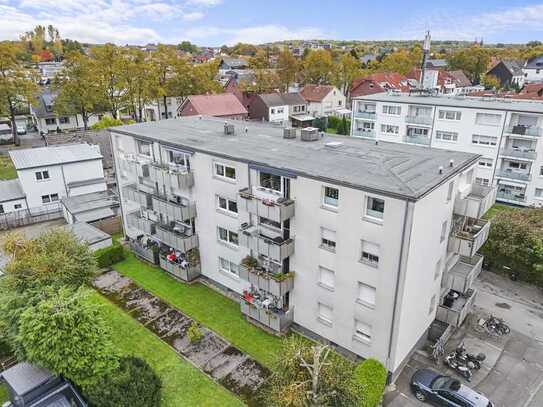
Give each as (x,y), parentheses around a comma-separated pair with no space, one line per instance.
(275,319)
(175,238)
(514,175)
(132,193)
(269,206)
(475,203)
(171,176)
(148,253)
(464,272)
(364,114)
(136,221)
(277,249)
(518,153)
(418,119)
(277,284)
(420,140)
(524,131)
(468,235)
(366,133)
(515,198)
(173,210)
(187,274)
(454,311)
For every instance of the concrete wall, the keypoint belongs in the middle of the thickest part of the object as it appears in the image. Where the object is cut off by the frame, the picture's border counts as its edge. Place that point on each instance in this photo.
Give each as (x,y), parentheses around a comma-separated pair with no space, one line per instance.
(10,206)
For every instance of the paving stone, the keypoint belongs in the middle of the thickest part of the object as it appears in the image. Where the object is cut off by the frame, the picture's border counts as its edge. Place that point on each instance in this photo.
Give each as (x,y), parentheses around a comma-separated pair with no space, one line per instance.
(225,362)
(170,324)
(245,379)
(203,350)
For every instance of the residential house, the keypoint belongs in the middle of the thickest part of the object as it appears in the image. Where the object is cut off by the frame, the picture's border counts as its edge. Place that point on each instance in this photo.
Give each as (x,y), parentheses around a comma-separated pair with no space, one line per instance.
(509,73)
(277,108)
(442,82)
(367,58)
(323,100)
(232,64)
(374,232)
(436,64)
(224,105)
(12,196)
(158,110)
(506,133)
(382,82)
(533,69)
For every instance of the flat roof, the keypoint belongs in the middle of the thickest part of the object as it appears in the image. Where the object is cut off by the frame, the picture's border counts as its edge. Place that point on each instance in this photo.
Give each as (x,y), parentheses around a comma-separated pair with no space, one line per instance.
(510,105)
(86,233)
(11,190)
(24,377)
(394,169)
(54,155)
(90,202)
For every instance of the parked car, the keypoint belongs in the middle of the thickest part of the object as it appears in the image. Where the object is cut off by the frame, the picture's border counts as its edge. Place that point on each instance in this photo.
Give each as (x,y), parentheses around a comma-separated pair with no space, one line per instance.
(445,391)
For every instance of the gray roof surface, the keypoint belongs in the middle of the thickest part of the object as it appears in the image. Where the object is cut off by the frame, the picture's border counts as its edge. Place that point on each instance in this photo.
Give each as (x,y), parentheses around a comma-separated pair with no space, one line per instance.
(10,190)
(393,169)
(282,99)
(86,233)
(535,62)
(53,155)
(466,102)
(24,377)
(88,202)
(514,66)
(46,98)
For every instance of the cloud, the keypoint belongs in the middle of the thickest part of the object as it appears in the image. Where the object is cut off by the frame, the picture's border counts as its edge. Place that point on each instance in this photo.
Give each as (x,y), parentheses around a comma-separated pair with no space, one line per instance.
(193,16)
(205,3)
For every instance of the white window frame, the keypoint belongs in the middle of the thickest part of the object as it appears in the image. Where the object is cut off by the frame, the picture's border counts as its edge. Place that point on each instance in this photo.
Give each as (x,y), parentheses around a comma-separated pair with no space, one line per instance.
(371,213)
(42,176)
(230,240)
(217,165)
(390,129)
(140,143)
(363,335)
(444,113)
(540,195)
(324,197)
(367,257)
(49,198)
(392,110)
(324,271)
(232,268)
(227,201)
(363,301)
(325,319)
(476,139)
(324,244)
(485,162)
(273,190)
(447,136)
(480,114)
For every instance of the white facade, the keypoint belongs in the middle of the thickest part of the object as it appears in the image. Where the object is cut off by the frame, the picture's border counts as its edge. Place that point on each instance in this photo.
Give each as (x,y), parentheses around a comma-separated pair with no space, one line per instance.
(278,114)
(64,123)
(363,262)
(506,133)
(332,102)
(157,111)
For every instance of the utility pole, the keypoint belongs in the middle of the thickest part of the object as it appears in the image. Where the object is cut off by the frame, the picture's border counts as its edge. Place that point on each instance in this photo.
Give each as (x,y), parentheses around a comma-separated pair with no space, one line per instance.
(426,52)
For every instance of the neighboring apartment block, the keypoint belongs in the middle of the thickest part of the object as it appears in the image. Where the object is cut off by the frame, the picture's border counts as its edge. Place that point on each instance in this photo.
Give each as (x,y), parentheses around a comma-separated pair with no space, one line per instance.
(506,133)
(353,242)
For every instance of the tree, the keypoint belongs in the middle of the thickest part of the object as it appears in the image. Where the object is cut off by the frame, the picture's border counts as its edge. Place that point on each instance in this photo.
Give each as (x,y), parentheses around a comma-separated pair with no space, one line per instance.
(187,46)
(287,68)
(78,88)
(401,61)
(266,81)
(133,384)
(140,86)
(67,334)
(318,67)
(108,121)
(370,378)
(109,75)
(347,69)
(473,61)
(490,82)
(163,63)
(17,84)
(259,60)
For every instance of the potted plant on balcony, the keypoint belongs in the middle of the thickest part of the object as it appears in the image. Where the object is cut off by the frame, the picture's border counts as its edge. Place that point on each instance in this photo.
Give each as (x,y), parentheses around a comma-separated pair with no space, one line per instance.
(249,262)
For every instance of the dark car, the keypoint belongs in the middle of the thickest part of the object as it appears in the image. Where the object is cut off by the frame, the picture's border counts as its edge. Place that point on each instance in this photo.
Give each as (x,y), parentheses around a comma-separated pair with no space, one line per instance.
(430,386)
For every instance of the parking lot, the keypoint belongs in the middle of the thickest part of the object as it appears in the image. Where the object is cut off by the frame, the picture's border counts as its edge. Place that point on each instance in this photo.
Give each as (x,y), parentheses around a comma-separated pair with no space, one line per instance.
(512,374)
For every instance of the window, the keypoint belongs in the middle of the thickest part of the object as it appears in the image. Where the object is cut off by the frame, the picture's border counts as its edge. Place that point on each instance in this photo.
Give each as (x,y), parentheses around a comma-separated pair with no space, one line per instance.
(447,136)
(450,191)
(326,313)
(225,171)
(482,181)
(270,181)
(366,295)
(42,175)
(228,266)
(392,110)
(54,197)
(517,165)
(45,199)
(375,207)
(443,231)
(51,121)
(326,278)
(227,205)
(450,115)
(64,120)
(362,331)
(370,253)
(487,119)
(432,304)
(539,193)
(17,206)
(389,129)
(417,131)
(227,236)
(144,148)
(485,162)
(331,196)
(272,111)
(484,140)
(328,239)
(280,110)
(178,158)
(1,208)
(437,272)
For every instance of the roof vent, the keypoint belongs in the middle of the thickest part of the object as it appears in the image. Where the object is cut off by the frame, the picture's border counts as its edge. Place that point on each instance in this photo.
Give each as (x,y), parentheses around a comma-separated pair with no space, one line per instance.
(451,163)
(333,144)
(246,129)
(309,134)
(228,129)
(289,132)
(441,169)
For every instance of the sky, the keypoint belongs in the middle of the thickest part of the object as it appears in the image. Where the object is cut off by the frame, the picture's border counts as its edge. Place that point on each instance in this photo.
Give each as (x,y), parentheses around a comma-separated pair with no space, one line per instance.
(218,22)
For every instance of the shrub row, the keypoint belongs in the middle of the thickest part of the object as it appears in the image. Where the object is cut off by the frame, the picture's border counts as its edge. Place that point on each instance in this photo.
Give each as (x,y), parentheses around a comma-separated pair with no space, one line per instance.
(109,255)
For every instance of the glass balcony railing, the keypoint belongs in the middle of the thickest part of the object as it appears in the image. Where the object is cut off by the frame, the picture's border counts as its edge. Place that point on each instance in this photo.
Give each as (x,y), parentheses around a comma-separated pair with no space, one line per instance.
(531,131)
(364,114)
(511,197)
(416,119)
(367,133)
(518,153)
(420,140)
(516,175)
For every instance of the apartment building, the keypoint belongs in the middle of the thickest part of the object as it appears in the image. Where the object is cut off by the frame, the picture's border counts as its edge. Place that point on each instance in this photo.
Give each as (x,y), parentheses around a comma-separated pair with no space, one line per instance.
(506,133)
(328,235)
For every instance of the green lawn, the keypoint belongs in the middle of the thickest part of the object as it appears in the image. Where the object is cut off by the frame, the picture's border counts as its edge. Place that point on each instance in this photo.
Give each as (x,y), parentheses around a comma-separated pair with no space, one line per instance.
(4,395)
(331,130)
(7,170)
(212,309)
(182,383)
(498,208)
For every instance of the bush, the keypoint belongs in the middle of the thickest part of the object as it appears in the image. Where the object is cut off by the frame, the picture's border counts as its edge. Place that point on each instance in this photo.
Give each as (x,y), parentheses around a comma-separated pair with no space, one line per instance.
(194,333)
(370,378)
(109,255)
(334,122)
(133,384)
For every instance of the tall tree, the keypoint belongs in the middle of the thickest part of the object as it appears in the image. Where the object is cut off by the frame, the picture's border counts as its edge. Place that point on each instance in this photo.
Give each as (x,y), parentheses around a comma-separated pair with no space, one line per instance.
(78,88)
(318,67)
(347,69)
(259,60)
(189,47)
(287,68)
(17,84)
(140,86)
(163,63)
(473,61)
(401,61)
(109,75)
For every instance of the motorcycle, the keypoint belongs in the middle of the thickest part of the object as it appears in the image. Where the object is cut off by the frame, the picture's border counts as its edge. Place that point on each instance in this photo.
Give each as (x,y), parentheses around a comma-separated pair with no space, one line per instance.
(455,364)
(469,359)
(494,326)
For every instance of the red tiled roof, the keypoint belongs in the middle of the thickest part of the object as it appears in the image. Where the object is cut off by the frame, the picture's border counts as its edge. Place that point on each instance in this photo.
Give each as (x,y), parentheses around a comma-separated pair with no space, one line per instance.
(531,88)
(224,104)
(444,77)
(316,93)
(379,82)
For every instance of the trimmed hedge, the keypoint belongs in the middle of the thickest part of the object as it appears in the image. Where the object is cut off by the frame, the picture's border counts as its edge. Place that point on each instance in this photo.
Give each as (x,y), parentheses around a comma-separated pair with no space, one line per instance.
(108,256)
(370,376)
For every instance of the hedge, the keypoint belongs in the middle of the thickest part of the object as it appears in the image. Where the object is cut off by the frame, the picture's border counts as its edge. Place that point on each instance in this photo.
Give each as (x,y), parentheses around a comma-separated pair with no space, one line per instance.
(108,256)
(371,376)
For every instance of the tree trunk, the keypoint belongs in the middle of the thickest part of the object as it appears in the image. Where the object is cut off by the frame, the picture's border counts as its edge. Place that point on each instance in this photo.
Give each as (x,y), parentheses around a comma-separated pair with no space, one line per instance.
(13,124)
(85,119)
(165,107)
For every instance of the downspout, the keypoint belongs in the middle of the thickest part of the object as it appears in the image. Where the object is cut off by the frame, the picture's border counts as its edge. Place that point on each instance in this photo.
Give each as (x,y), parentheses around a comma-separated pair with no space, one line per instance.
(114,148)
(64,179)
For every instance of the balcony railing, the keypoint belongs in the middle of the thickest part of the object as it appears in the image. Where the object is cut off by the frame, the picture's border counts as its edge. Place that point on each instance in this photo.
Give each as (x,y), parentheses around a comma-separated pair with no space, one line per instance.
(176,240)
(274,208)
(420,140)
(367,133)
(142,224)
(512,197)
(468,235)
(532,131)
(132,193)
(171,176)
(364,115)
(276,320)
(188,273)
(517,153)
(426,120)
(275,249)
(456,313)
(464,272)
(475,204)
(173,210)
(277,284)
(516,175)
(146,253)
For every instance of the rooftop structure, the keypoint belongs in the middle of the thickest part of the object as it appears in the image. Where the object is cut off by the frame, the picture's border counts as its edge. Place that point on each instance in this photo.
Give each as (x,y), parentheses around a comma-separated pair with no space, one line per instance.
(54,155)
